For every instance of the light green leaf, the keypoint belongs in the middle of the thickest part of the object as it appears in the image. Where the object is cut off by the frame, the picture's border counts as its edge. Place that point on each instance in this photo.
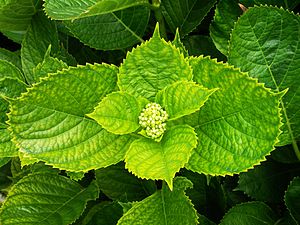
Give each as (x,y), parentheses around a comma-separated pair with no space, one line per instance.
(183,98)
(250,213)
(151,67)
(238,125)
(46,199)
(268,181)
(49,122)
(11,57)
(26,160)
(185,14)
(265,42)
(116,30)
(178,44)
(11,87)
(163,207)
(49,65)
(292,199)
(4,161)
(149,159)
(105,213)
(119,112)
(15,15)
(120,185)
(7,147)
(41,33)
(75,175)
(70,9)
(226,14)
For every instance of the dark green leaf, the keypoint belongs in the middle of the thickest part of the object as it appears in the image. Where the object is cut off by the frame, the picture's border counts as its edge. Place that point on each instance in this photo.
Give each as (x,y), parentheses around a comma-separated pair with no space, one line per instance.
(185,14)
(292,199)
(118,184)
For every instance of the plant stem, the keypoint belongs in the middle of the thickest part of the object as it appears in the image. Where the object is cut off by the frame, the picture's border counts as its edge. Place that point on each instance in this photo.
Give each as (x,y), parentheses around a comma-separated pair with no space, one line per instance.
(159,17)
(294,142)
(286,4)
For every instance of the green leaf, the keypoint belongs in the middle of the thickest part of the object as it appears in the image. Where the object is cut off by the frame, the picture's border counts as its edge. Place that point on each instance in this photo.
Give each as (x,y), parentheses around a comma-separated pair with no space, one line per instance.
(118,184)
(178,44)
(46,199)
(286,4)
(15,15)
(183,98)
(49,122)
(105,213)
(198,45)
(11,87)
(226,14)
(7,147)
(151,67)
(284,154)
(119,112)
(204,221)
(4,161)
(264,42)
(75,175)
(163,207)
(239,124)
(292,199)
(49,65)
(185,14)
(116,30)
(250,213)
(268,181)
(7,69)
(149,159)
(11,57)
(41,33)
(70,9)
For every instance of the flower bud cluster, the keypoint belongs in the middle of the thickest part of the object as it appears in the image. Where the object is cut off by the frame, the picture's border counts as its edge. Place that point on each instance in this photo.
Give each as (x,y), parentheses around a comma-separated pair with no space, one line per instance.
(152,119)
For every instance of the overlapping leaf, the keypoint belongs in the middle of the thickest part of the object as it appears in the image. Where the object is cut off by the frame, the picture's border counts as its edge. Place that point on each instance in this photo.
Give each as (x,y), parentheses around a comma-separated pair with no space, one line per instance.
(49,122)
(151,67)
(149,159)
(238,125)
(183,98)
(116,30)
(119,112)
(250,213)
(70,9)
(265,42)
(41,33)
(163,207)
(292,199)
(226,14)
(185,14)
(15,15)
(120,185)
(46,199)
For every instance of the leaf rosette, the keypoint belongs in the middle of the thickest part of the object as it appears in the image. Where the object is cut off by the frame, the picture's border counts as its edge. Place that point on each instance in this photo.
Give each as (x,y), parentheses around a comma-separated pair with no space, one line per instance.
(152,93)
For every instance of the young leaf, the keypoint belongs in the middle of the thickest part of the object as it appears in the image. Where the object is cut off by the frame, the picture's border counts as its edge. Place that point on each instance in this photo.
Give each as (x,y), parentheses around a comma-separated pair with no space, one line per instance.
(119,112)
(292,199)
(264,42)
(151,67)
(15,15)
(41,33)
(161,160)
(238,125)
(44,198)
(183,98)
(49,122)
(70,9)
(178,44)
(105,213)
(120,185)
(163,207)
(257,213)
(116,30)
(226,14)
(49,65)
(268,181)
(185,14)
